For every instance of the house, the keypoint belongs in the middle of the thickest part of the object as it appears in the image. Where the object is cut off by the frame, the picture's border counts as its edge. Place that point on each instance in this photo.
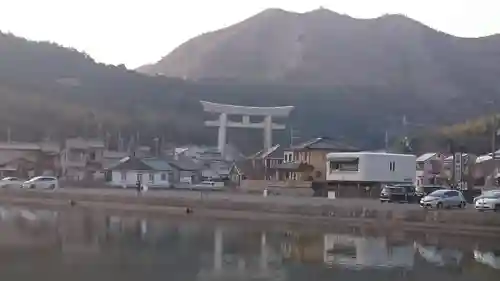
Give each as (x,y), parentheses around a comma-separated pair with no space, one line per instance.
(81,158)
(262,165)
(26,160)
(111,158)
(17,166)
(312,152)
(466,177)
(185,169)
(213,165)
(153,172)
(265,163)
(430,167)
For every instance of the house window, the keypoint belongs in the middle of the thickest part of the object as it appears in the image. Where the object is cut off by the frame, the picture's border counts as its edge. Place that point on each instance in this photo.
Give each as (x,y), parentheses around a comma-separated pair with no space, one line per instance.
(420,166)
(151,177)
(163,176)
(344,165)
(124,176)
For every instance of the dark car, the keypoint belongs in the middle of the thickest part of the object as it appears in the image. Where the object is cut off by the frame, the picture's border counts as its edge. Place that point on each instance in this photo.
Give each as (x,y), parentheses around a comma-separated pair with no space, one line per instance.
(424,190)
(398,193)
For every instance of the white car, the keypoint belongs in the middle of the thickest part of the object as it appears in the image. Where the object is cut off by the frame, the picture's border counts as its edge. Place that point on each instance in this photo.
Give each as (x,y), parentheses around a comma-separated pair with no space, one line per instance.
(209,184)
(42,182)
(486,194)
(488,201)
(10,182)
(444,198)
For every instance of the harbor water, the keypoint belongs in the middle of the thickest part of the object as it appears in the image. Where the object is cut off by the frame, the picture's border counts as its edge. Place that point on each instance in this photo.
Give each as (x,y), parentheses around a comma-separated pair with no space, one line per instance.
(75,245)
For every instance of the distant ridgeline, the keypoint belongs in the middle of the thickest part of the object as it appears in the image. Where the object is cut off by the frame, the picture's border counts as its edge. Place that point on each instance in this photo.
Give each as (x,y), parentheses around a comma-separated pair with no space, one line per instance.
(47,91)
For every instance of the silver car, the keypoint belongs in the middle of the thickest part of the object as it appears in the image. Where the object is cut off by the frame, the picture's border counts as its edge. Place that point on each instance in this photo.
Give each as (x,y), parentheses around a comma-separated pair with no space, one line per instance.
(444,198)
(42,182)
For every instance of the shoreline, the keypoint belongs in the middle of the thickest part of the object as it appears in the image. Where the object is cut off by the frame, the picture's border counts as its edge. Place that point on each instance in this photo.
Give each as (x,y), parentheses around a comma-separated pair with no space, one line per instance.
(323,213)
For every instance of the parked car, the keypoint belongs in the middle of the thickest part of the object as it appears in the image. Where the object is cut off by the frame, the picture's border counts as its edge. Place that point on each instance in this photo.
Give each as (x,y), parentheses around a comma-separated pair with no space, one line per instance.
(42,182)
(209,185)
(488,201)
(10,182)
(486,194)
(398,193)
(425,190)
(444,198)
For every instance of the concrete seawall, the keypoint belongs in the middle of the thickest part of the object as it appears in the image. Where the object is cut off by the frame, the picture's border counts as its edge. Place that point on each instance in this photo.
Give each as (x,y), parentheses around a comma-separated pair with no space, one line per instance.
(224,205)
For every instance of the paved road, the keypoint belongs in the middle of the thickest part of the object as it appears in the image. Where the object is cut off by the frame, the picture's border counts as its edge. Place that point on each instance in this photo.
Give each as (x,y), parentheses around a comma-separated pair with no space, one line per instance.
(244,198)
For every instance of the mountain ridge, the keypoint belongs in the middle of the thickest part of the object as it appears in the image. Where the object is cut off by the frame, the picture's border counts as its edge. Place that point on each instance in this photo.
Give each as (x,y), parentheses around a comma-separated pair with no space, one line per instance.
(48,90)
(322,47)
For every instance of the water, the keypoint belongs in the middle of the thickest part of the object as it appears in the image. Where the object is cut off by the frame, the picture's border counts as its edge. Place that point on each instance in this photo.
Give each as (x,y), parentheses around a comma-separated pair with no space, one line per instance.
(76,245)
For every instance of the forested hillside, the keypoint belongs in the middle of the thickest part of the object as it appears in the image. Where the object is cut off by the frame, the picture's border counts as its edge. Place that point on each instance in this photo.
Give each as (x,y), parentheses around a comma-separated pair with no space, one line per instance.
(50,91)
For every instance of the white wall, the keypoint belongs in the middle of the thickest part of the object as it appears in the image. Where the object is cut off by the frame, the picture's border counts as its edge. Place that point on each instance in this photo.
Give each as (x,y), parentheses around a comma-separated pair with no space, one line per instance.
(131,178)
(375,167)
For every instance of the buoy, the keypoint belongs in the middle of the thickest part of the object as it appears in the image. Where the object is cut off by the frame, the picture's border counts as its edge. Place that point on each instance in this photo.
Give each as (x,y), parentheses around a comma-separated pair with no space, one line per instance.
(72,203)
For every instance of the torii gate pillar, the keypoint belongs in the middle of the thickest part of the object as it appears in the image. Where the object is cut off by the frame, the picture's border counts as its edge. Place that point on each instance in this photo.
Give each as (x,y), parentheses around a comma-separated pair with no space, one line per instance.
(224,110)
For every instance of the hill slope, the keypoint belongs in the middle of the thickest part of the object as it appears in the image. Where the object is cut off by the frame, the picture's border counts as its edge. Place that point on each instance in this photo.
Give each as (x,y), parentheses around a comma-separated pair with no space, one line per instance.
(325,48)
(50,91)
(47,90)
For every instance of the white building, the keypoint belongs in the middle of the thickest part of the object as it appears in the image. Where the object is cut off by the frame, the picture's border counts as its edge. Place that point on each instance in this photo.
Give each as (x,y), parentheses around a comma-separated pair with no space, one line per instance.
(151,172)
(370,167)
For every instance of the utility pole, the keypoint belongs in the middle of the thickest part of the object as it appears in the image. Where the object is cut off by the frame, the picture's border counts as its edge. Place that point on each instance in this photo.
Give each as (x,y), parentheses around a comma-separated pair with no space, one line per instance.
(494,128)
(405,126)
(493,136)
(386,141)
(451,147)
(157,146)
(120,141)
(293,135)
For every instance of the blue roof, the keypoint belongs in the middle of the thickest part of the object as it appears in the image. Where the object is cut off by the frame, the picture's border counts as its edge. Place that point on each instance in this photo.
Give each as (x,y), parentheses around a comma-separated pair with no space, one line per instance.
(157,164)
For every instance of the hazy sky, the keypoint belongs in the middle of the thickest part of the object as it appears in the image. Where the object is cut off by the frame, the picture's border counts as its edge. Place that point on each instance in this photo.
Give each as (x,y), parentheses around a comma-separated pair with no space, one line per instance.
(137,32)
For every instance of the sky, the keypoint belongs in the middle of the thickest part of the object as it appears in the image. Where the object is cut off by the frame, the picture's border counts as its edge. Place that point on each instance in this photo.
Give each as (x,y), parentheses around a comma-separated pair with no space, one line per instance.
(134,32)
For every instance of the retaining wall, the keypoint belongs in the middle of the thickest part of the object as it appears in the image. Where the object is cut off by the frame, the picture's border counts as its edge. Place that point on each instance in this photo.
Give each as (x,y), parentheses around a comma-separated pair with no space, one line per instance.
(383,215)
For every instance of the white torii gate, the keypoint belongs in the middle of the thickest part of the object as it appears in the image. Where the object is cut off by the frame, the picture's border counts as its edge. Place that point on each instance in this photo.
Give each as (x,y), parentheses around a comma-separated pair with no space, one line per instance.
(224,110)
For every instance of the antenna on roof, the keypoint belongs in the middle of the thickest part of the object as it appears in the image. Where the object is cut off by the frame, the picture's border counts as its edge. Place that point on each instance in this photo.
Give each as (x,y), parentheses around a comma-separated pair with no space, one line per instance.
(386,140)
(293,135)
(8,134)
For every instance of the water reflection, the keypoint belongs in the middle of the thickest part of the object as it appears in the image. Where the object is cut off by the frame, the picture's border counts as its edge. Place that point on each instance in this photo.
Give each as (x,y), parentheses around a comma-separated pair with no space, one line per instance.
(439,256)
(83,245)
(491,258)
(364,252)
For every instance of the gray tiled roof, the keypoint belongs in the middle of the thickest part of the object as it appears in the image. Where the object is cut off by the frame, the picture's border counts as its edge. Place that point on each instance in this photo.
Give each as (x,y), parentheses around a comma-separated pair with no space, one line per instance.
(274,152)
(131,163)
(325,143)
(183,163)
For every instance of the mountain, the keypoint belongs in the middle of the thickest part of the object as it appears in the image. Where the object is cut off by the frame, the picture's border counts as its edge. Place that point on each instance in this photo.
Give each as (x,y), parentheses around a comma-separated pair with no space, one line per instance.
(50,91)
(322,47)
